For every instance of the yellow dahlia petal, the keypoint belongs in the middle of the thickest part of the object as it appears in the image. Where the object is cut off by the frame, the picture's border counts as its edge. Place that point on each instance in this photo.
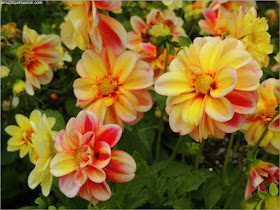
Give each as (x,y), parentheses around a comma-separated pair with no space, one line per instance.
(219,109)
(192,110)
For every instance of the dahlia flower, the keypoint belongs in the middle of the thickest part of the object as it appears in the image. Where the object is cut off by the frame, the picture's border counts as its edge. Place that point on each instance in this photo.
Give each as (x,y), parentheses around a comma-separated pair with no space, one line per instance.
(252,31)
(259,172)
(42,154)
(232,5)
(10,31)
(84,25)
(23,134)
(214,22)
(210,87)
(84,158)
(38,55)
(172,4)
(256,123)
(114,86)
(157,24)
(195,8)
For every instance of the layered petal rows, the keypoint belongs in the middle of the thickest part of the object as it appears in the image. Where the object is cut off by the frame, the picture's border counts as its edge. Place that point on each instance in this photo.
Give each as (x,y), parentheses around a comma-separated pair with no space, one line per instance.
(114,86)
(206,88)
(84,158)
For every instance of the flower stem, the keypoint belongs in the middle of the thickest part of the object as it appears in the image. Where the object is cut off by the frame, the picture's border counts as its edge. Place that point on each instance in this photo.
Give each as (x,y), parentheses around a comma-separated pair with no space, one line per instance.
(174,153)
(264,133)
(227,157)
(166,57)
(234,191)
(198,156)
(160,129)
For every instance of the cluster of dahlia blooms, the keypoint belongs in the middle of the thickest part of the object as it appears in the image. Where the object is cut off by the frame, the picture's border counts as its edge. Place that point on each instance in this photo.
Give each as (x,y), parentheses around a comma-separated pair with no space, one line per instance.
(84,158)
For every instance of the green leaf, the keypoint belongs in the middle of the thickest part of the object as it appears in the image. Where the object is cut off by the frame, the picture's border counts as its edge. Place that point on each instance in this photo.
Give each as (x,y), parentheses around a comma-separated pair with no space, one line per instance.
(59,123)
(174,169)
(161,100)
(263,195)
(185,41)
(52,207)
(183,203)
(192,180)
(175,44)
(250,156)
(29,207)
(71,108)
(273,189)
(212,191)
(169,37)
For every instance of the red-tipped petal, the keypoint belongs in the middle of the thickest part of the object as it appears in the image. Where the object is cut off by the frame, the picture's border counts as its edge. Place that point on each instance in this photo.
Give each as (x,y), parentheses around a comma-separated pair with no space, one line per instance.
(80,177)
(248,190)
(121,162)
(86,121)
(96,175)
(137,24)
(118,177)
(67,185)
(100,191)
(102,154)
(108,5)
(109,133)
(232,125)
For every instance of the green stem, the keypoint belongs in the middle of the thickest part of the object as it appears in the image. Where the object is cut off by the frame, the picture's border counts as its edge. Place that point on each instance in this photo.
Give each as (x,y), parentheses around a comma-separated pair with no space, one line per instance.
(160,129)
(166,57)
(174,153)
(264,133)
(234,191)
(198,156)
(227,157)
(236,146)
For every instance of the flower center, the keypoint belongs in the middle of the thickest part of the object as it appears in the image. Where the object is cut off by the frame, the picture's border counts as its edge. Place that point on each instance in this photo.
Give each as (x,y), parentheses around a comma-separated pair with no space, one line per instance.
(26,55)
(268,110)
(27,135)
(78,156)
(107,86)
(203,84)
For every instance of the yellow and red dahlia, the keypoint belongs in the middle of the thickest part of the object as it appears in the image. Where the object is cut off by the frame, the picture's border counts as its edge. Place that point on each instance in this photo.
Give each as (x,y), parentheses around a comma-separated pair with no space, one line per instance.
(252,31)
(210,87)
(85,25)
(38,55)
(143,36)
(256,123)
(42,154)
(260,171)
(23,134)
(172,4)
(233,5)
(114,86)
(214,22)
(84,158)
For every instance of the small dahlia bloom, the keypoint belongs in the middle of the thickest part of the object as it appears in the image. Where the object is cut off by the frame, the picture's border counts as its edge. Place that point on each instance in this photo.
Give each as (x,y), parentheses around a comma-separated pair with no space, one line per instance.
(10,31)
(157,24)
(84,158)
(84,24)
(276,66)
(252,31)
(256,123)
(173,4)
(210,87)
(42,154)
(214,22)
(23,134)
(38,55)
(114,86)
(259,172)
(195,8)
(233,5)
